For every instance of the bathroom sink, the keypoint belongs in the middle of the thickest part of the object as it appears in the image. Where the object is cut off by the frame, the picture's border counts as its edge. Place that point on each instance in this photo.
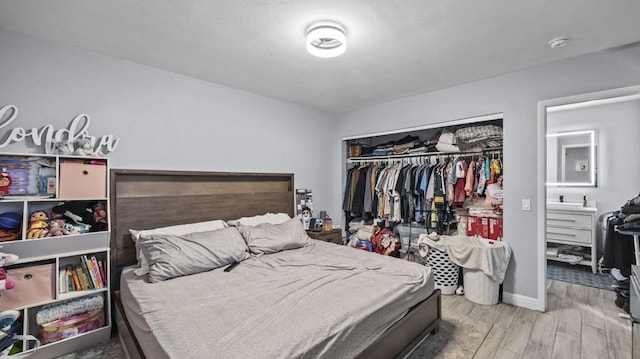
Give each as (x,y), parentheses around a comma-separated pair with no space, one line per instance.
(570,206)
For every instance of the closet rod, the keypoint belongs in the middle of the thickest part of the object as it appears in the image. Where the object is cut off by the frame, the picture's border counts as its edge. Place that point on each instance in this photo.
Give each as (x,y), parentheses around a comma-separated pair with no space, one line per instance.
(495,150)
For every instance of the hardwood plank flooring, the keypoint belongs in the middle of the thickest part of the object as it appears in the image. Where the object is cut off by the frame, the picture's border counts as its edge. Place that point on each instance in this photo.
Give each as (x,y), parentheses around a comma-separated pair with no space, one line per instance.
(581,322)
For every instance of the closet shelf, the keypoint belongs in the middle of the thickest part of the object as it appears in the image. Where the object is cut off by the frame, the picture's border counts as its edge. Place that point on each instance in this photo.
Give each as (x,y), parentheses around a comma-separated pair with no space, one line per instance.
(493,150)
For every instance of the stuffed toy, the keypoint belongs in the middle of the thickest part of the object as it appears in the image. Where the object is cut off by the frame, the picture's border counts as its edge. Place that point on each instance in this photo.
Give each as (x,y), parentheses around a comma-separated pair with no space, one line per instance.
(385,242)
(79,229)
(99,218)
(5,182)
(364,245)
(37,225)
(4,282)
(6,259)
(83,148)
(57,228)
(62,147)
(306,217)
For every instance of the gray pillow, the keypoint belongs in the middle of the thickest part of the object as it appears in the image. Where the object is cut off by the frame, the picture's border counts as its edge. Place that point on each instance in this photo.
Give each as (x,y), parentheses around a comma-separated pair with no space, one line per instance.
(171,256)
(270,238)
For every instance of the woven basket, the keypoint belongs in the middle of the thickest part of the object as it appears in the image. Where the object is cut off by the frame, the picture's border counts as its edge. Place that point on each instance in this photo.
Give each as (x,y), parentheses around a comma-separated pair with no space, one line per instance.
(445,272)
(479,287)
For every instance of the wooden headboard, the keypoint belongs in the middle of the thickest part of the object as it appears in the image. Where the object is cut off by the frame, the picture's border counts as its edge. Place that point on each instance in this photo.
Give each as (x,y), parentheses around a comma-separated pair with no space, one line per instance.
(145,199)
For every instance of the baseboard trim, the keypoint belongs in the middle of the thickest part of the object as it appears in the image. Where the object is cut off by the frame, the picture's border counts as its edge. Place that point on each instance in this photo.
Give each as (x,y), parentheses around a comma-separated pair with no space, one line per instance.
(522,301)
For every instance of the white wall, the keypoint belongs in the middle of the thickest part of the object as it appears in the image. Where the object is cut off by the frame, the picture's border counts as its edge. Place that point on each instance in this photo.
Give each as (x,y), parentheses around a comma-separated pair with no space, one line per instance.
(516,95)
(617,128)
(164,120)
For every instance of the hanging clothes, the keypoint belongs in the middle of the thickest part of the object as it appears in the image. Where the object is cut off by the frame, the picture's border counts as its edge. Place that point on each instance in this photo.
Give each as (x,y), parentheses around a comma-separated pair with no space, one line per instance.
(423,190)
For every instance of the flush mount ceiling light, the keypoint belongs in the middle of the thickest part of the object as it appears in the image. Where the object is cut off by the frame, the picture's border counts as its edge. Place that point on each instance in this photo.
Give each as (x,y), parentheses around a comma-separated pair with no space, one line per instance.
(559,42)
(326,39)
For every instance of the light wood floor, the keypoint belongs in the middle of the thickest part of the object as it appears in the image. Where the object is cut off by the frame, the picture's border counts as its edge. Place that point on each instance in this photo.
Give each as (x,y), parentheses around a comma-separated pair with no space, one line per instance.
(581,322)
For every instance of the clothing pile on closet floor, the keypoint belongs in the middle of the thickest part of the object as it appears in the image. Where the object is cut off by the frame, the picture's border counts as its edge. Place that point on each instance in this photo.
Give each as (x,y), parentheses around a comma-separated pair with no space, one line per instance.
(374,238)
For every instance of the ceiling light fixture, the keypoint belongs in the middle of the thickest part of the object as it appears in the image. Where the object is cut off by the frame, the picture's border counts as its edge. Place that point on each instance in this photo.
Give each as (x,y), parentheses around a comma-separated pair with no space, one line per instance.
(326,39)
(559,42)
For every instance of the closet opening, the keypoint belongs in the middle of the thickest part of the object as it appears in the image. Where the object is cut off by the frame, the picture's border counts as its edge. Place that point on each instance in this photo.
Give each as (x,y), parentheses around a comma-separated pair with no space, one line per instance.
(443,179)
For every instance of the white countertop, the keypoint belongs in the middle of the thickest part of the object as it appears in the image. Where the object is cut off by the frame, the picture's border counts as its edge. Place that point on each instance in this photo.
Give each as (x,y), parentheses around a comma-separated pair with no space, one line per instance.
(572,206)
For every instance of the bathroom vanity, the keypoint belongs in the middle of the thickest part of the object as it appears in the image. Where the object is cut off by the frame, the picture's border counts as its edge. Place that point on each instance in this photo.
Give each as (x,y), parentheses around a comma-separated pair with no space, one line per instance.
(572,224)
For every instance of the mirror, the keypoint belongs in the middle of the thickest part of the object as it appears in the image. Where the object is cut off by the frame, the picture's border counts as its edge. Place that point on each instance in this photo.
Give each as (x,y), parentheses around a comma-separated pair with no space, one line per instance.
(571,159)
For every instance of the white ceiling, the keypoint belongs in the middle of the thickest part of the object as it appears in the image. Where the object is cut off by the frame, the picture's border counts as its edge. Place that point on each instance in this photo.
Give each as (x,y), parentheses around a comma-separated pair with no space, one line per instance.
(395,48)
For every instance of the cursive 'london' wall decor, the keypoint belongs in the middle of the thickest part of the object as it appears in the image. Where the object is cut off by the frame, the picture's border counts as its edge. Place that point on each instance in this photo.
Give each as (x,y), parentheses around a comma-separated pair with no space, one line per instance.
(47,136)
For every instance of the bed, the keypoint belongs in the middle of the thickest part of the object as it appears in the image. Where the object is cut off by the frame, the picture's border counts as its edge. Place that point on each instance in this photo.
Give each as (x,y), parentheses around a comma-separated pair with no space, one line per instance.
(317,300)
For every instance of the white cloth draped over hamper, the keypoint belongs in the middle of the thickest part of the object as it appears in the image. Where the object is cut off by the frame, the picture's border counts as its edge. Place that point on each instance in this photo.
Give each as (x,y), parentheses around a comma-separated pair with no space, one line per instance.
(471,252)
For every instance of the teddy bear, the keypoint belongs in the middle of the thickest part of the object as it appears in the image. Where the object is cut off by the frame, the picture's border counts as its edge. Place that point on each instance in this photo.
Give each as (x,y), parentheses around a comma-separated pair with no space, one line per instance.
(6,259)
(57,228)
(83,148)
(37,225)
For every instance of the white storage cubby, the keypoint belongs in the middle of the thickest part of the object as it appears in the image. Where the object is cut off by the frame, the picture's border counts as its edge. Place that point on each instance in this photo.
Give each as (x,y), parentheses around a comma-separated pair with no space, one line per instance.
(76,189)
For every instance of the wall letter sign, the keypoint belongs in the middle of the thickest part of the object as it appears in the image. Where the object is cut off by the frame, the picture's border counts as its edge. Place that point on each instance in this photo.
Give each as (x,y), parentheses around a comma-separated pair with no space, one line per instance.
(47,135)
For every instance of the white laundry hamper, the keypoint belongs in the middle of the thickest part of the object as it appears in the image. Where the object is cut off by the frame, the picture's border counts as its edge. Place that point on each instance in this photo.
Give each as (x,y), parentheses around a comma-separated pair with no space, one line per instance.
(445,272)
(479,287)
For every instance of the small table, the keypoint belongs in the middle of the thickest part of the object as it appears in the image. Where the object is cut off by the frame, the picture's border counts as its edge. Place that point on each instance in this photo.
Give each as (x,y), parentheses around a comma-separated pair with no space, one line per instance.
(333,236)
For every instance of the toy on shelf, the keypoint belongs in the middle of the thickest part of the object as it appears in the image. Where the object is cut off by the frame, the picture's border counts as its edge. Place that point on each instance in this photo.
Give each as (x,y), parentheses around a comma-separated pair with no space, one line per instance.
(5,260)
(5,182)
(99,217)
(38,225)
(78,217)
(57,228)
(84,148)
(5,283)
(61,148)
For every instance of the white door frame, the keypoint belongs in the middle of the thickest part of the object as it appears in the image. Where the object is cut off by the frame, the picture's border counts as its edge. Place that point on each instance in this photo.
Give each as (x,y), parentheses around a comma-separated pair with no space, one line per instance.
(578,101)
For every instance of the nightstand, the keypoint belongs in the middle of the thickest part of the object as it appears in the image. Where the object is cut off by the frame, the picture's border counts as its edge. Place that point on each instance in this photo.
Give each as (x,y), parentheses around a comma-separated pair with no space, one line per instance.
(334,235)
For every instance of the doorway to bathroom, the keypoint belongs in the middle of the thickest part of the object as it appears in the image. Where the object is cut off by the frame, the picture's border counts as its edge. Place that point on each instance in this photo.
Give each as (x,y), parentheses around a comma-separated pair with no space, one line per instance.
(589,143)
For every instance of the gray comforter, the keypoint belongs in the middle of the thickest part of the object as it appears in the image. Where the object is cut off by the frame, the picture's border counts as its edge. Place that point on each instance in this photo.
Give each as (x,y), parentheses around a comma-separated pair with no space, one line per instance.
(322,300)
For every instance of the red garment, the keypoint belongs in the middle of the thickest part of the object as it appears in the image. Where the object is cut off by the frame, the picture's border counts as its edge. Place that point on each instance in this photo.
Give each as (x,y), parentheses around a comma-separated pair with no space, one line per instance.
(458,193)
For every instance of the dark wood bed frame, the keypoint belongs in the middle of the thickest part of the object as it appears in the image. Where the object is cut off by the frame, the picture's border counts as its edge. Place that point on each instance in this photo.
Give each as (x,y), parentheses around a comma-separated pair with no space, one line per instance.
(145,199)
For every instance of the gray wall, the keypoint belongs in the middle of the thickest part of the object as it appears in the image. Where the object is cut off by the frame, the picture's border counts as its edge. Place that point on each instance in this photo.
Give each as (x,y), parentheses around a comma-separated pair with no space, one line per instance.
(617,128)
(164,120)
(516,95)
(169,121)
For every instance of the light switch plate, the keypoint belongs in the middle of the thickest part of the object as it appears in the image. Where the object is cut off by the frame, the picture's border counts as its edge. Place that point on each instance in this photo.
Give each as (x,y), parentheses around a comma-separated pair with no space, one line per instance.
(526,204)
